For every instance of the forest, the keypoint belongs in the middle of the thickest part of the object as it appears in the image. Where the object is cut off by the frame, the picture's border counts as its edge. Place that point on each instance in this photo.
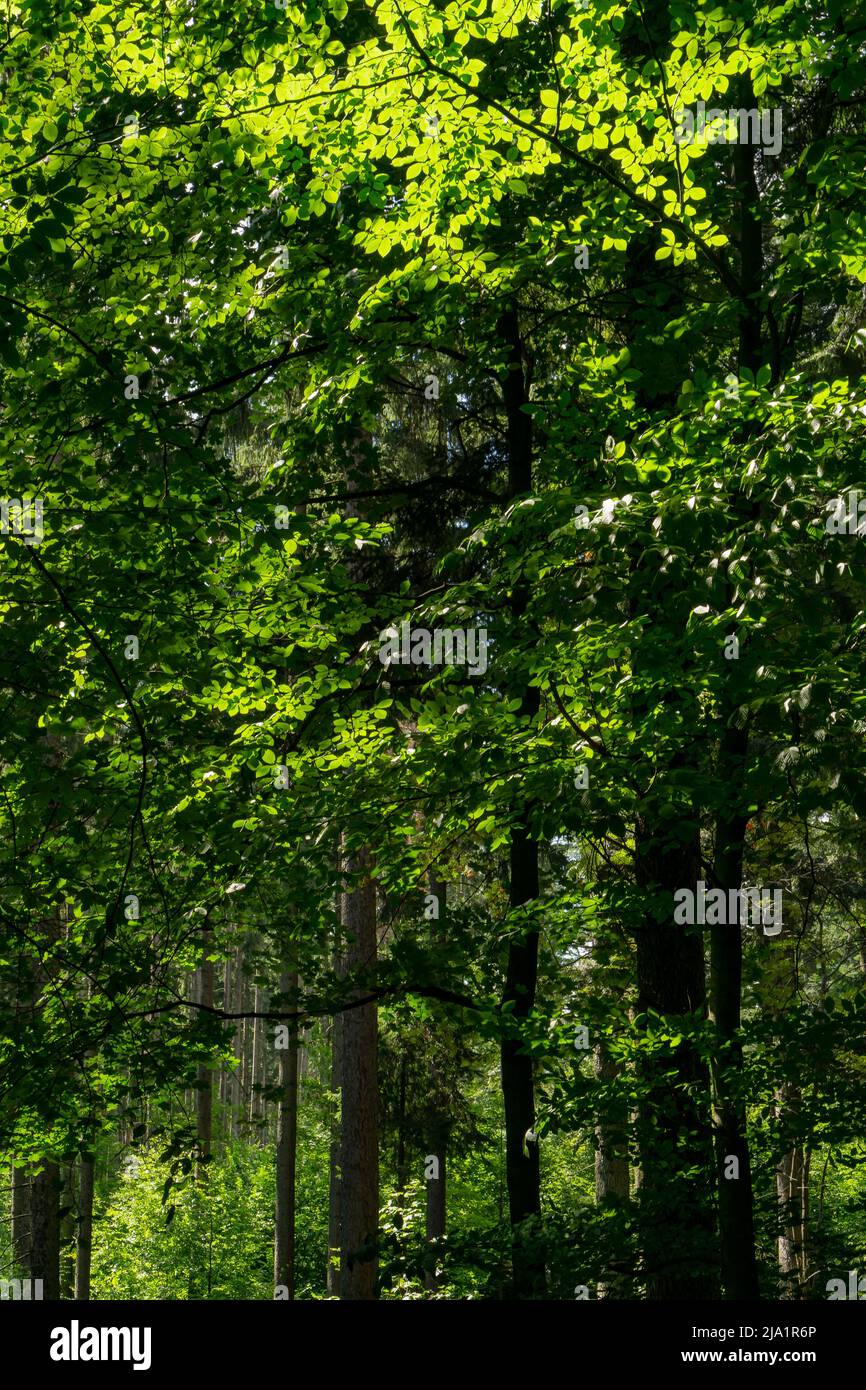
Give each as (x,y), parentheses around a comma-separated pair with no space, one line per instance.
(433,666)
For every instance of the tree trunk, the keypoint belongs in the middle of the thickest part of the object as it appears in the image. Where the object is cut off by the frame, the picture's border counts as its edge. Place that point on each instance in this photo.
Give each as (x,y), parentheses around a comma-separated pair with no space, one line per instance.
(84,1238)
(236,1084)
(436,1207)
(792,1190)
(522,1168)
(334,1162)
(335,1086)
(436,1211)
(246,1052)
(225,1083)
(359,1028)
(523,1175)
(359,1142)
(676,1212)
(45,1229)
(204,1094)
(611,1154)
(67,1232)
(402,1170)
(287,1144)
(20,1218)
(256,1064)
(736,1220)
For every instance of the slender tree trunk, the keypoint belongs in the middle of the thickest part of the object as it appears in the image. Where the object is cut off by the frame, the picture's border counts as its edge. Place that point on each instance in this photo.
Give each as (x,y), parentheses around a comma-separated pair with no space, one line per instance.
(287,1144)
(237,1045)
(522,1165)
(792,1190)
(335,1086)
(736,1221)
(436,1206)
(224,1082)
(334,1241)
(359,1105)
(402,1170)
(67,1232)
(676,1212)
(436,1185)
(204,1094)
(359,1141)
(805,1261)
(21,1218)
(521,1147)
(45,1229)
(84,1235)
(256,1063)
(246,1054)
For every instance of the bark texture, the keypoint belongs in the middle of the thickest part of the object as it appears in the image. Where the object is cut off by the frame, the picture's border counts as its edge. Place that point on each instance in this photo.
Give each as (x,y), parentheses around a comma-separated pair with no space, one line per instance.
(286,1155)
(359,1146)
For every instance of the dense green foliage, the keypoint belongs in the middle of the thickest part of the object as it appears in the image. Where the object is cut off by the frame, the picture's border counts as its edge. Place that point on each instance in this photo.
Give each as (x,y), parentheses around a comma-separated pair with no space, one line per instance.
(289,296)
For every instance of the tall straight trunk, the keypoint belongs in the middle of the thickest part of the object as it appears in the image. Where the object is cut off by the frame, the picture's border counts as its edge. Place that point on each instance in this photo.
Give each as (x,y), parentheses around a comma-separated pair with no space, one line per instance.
(45,1185)
(736,1220)
(263,1055)
(792,1191)
(436,1185)
(359,1026)
(20,1218)
(676,1213)
(792,1167)
(402,1170)
(359,1139)
(256,1063)
(237,1044)
(736,1215)
(45,1229)
(204,1094)
(333,1285)
(335,1034)
(522,1167)
(436,1205)
(224,1082)
(673,1154)
(246,1052)
(67,1232)
(287,1146)
(84,1234)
